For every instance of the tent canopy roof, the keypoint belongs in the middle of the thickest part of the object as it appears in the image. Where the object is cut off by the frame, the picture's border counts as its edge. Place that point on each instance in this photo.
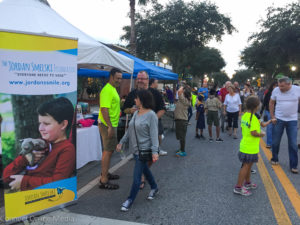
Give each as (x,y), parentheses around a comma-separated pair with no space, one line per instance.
(139,65)
(153,71)
(36,17)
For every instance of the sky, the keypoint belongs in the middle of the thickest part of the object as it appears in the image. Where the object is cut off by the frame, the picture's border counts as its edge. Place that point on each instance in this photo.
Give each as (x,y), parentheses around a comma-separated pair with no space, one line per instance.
(104,20)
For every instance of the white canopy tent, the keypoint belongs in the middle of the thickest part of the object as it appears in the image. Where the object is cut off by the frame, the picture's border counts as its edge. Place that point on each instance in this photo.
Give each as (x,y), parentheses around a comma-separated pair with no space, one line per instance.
(36,17)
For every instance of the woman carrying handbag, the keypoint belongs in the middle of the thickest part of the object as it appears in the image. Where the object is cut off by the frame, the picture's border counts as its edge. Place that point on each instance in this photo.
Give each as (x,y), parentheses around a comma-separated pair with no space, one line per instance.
(142,135)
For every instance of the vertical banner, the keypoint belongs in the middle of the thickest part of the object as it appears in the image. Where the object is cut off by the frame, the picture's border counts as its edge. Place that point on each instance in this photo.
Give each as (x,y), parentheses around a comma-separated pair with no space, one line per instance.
(38,94)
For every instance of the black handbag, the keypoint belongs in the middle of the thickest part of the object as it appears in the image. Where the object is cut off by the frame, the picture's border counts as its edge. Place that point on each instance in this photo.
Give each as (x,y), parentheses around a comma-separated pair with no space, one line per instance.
(145,155)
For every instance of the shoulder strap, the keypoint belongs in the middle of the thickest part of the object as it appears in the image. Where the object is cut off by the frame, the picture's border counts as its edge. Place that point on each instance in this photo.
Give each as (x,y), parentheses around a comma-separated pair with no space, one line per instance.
(137,142)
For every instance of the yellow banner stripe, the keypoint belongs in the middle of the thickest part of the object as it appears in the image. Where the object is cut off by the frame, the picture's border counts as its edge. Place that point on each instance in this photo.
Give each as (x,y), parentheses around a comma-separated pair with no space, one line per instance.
(287,185)
(279,210)
(28,42)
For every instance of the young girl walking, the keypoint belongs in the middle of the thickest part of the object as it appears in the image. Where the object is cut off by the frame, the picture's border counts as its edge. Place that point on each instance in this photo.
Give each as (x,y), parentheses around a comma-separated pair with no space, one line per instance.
(249,146)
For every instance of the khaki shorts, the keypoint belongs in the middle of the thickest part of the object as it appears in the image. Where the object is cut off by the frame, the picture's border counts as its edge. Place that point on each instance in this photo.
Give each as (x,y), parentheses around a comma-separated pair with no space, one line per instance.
(109,144)
(213,118)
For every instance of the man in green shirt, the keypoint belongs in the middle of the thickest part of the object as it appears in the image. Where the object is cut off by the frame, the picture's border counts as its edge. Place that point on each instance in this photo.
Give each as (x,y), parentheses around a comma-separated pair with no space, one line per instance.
(109,115)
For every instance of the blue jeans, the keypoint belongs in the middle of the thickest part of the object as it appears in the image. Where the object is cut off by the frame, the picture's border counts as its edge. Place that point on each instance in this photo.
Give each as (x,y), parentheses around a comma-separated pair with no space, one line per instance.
(140,168)
(190,113)
(291,131)
(269,129)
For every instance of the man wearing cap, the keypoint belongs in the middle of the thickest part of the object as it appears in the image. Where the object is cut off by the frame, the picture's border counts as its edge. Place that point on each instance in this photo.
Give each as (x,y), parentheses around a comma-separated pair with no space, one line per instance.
(286,96)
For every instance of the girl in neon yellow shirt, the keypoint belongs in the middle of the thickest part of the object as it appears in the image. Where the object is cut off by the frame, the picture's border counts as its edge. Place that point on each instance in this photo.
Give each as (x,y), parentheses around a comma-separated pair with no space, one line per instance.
(249,146)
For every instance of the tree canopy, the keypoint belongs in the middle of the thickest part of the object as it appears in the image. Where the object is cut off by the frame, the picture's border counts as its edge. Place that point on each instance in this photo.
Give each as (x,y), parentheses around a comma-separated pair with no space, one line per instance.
(199,61)
(276,47)
(177,28)
(242,76)
(220,78)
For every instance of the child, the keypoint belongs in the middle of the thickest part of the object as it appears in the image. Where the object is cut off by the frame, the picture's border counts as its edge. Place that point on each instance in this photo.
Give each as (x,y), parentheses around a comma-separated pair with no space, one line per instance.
(249,146)
(212,107)
(200,117)
(55,118)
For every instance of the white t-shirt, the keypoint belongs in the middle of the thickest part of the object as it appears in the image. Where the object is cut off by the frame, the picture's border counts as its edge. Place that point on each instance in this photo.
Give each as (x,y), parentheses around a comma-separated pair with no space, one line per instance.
(286,103)
(232,103)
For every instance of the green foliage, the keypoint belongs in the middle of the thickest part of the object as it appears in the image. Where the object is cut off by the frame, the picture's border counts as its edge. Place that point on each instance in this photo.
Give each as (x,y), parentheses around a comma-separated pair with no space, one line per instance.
(4,98)
(220,78)
(8,148)
(242,76)
(81,85)
(203,60)
(276,47)
(177,28)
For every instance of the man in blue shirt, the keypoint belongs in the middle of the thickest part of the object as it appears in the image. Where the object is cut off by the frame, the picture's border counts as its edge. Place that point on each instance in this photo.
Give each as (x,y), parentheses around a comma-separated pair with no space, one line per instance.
(204,91)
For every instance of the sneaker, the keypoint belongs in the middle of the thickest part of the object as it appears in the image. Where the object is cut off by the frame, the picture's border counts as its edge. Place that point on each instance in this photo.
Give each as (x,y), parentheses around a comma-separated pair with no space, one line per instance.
(178,151)
(126,205)
(152,194)
(197,136)
(250,186)
(202,137)
(211,140)
(219,140)
(241,191)
(162,152)
(253,171)
(235,136)
(274,162)
(181,153)
(295,171)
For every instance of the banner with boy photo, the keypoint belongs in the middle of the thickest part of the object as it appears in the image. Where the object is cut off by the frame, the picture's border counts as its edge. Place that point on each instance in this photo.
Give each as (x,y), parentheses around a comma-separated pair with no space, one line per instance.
(38,94)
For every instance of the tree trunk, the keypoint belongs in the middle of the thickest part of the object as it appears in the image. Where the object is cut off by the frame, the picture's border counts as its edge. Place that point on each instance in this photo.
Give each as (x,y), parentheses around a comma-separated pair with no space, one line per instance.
(45,2)
(26,116)
(132,43)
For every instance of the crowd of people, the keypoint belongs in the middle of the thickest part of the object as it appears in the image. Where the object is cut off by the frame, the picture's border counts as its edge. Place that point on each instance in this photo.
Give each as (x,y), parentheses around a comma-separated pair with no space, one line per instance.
(221,108)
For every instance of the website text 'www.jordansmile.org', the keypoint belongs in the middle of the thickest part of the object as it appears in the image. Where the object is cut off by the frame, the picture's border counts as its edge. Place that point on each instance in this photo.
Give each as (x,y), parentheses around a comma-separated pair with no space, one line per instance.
(39,83)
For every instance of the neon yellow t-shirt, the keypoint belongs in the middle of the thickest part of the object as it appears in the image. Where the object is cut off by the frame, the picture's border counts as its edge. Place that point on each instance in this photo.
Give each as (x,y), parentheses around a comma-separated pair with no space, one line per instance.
(194,99)
(109,98)
(249,144)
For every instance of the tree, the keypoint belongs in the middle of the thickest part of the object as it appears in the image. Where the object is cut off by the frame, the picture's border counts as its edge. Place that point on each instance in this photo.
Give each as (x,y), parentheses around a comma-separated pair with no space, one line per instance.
(220,78)
(276,47)
(242,76)
(132,43)
(45,2)
(204,60)
(199,61)
(176,28)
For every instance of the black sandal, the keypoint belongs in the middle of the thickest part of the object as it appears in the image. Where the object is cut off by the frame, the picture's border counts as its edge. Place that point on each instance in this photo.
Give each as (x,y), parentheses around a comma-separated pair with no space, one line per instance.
(108,185)
(113,176)
(142,185)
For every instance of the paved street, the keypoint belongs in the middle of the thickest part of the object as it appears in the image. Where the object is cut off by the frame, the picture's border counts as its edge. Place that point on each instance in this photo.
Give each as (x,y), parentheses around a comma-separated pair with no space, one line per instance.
(197,189)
